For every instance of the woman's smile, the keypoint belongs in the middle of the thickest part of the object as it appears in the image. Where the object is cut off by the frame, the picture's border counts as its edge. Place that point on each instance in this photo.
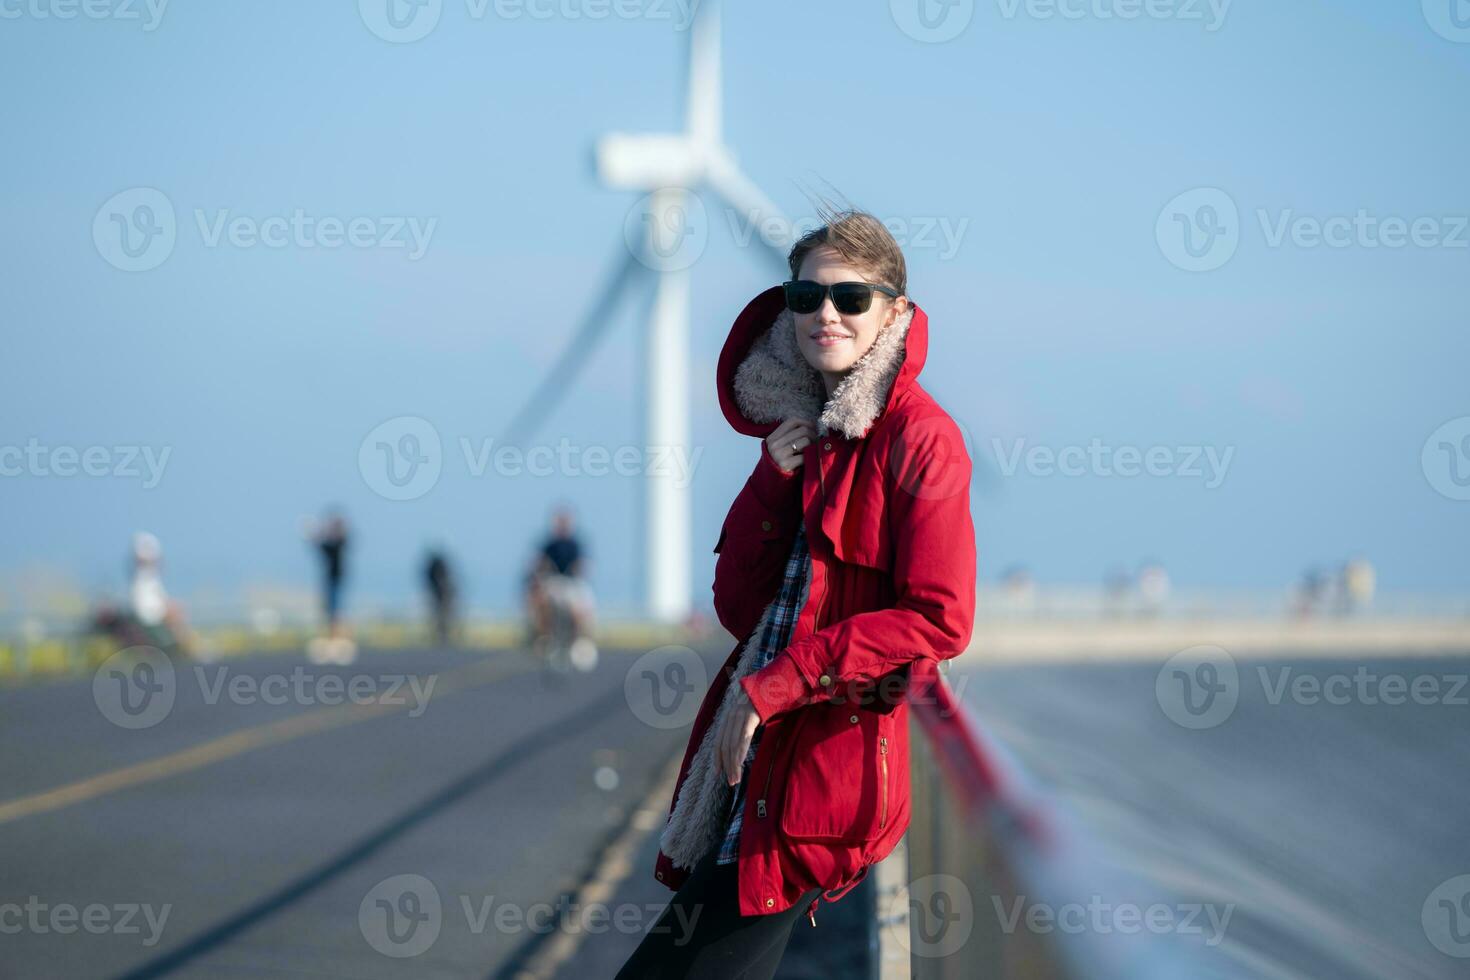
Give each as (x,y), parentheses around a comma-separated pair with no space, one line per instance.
(827,338)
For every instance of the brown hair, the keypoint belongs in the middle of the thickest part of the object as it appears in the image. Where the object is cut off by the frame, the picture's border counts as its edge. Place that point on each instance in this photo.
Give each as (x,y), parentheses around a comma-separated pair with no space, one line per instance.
(858,237)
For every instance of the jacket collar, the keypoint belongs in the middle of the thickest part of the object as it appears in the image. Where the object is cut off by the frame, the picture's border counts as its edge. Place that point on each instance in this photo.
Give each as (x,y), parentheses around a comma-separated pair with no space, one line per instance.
(763,378)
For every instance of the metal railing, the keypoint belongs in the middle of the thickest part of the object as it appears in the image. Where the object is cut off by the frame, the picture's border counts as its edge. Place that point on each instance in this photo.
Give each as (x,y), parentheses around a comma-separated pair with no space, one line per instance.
(985,849)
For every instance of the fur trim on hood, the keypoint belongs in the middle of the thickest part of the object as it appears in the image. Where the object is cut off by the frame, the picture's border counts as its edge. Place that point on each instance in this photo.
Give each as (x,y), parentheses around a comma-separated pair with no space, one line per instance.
(774,377)
(775,382)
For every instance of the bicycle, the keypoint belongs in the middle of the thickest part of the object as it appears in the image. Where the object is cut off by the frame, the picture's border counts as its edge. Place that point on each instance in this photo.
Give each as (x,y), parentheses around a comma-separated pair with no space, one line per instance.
(562,648)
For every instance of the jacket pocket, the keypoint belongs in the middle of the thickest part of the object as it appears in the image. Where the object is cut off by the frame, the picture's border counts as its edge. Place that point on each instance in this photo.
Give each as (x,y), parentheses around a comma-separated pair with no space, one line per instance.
(840,784)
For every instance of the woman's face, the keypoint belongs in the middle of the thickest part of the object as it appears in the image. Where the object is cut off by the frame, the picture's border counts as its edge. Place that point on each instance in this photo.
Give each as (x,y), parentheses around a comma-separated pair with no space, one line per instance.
(831,341)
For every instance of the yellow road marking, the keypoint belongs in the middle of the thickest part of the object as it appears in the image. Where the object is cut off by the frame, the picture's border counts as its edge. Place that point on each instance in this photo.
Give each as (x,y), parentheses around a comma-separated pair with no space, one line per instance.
(236,743)
(613,866)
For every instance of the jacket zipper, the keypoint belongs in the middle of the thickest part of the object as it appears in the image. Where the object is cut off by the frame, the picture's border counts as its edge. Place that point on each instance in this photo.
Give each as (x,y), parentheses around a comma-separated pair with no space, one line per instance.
(817,622)
(760,804)
(883,759)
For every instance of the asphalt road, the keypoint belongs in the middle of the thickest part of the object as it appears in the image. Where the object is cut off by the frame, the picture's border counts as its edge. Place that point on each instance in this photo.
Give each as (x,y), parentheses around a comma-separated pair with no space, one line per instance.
(264,823)
(1321,802)
(264,826)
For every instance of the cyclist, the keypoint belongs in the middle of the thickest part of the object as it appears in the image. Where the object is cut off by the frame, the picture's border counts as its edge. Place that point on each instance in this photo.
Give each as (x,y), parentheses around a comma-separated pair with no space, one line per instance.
(557,579)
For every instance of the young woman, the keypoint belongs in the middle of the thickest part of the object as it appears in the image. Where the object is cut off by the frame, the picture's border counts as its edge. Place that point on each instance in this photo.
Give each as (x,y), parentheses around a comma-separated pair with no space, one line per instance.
(849,554)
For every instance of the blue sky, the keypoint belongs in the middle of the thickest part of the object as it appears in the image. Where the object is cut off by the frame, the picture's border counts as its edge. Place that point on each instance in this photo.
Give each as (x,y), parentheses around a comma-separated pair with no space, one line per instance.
(1047,146)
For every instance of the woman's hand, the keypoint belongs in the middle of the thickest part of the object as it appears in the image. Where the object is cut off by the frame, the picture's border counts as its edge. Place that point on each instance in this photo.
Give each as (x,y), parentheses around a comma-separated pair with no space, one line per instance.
(787,443)
(733,740)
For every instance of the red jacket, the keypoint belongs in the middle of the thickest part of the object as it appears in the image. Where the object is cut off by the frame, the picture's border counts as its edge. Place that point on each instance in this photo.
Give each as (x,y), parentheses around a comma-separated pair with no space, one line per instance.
(887,514)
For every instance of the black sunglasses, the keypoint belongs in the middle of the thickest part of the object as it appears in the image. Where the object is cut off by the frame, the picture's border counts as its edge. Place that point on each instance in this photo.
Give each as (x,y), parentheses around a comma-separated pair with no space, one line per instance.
(806,296)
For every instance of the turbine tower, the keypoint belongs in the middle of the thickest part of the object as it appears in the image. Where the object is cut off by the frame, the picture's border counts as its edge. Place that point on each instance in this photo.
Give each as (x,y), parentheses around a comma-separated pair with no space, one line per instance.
(669,168)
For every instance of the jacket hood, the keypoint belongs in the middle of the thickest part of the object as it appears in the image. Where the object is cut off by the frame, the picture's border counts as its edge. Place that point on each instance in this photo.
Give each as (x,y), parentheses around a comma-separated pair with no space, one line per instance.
(762,376)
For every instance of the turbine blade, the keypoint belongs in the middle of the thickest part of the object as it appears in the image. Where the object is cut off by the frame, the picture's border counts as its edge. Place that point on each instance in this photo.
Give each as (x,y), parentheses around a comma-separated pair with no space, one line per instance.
(593,328)
(751,207)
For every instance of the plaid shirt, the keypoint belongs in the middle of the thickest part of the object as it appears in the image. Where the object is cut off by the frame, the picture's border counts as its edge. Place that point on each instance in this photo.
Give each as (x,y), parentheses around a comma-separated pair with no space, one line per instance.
(773,640)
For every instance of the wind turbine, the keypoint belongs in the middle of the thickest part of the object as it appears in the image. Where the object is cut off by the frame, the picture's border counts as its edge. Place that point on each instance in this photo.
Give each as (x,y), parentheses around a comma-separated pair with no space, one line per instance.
(669,168)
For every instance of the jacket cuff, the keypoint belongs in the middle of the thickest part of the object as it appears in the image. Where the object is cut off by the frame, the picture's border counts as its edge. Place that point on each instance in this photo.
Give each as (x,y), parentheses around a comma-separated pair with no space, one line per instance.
(773,486)
(779,686)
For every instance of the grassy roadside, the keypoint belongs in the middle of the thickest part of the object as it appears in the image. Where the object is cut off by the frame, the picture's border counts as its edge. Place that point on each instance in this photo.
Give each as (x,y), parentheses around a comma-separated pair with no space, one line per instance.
(26,661)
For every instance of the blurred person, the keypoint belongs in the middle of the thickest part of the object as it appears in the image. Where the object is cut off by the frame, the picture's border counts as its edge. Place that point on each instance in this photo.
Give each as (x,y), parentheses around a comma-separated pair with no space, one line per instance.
(1309,592)
(1019,589)
(148,616)
(1359,582)
(146,596)
(1353,586)
(331,536)
(1153,588)
(160,616)
(1116,586)
(442,595)
(824,370)
(558,578)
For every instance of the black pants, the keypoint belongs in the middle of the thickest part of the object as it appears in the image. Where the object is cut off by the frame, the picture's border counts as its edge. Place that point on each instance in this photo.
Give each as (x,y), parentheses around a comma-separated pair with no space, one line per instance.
(702,933)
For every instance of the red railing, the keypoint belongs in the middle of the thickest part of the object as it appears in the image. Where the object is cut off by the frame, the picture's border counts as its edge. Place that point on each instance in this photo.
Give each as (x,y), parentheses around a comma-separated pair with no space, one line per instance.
(983,839)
